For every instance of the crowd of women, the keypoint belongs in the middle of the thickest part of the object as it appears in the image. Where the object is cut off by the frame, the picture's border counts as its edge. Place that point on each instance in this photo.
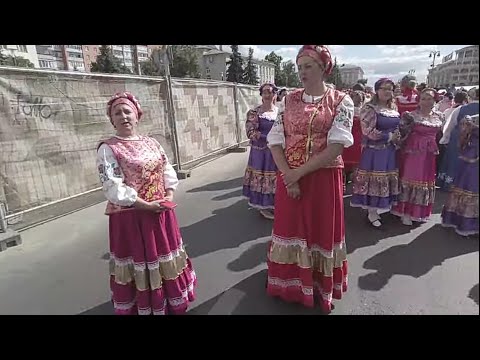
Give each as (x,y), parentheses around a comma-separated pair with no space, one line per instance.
(305,146)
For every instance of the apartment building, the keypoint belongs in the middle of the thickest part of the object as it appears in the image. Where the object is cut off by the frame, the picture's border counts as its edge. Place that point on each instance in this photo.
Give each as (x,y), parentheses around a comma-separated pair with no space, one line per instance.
(25,51)
(350,74)
(90,53)
(213,64)
(60,57)
(461,68)
(126,54)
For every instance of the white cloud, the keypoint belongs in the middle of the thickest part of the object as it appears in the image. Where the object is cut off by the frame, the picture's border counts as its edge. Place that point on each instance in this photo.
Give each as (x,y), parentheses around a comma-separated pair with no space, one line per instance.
(394,61)
(394,66)
(406,50)
(336,49)
(287,53)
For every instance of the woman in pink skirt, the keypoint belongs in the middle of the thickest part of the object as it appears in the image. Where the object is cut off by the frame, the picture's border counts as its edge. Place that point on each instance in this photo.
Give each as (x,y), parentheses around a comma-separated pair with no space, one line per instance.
(150,270)
(420,129)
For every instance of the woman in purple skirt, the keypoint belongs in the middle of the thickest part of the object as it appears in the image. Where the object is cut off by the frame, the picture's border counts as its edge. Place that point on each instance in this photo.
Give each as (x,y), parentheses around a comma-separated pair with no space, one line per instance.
(375,184)
(461,208)
(260,176)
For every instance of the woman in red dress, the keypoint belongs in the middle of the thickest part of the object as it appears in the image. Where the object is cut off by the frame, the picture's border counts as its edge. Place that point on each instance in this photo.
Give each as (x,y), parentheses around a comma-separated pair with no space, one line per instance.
(351,155)
(307,253)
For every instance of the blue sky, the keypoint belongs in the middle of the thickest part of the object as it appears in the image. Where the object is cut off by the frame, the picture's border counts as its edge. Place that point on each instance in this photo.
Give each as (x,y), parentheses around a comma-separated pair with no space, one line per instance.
(393,61)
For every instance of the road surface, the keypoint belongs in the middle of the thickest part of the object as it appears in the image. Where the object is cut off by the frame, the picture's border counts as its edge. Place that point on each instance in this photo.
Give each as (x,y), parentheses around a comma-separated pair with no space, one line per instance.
(61,267)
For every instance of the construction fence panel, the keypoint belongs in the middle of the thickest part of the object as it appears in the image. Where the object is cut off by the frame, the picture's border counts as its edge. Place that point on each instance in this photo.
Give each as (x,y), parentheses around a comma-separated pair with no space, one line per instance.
(204,117)
(248,97)
(50,126)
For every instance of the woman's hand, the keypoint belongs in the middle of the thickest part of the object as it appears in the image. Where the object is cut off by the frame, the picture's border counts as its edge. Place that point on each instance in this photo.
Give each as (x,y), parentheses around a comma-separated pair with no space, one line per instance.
(293,191)
(155,206)
(395,136)
(291,176)
(168,195)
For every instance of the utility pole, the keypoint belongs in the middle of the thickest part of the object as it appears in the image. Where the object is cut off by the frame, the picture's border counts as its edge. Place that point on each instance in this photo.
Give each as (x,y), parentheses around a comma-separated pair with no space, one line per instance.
(136,64)
(161,58)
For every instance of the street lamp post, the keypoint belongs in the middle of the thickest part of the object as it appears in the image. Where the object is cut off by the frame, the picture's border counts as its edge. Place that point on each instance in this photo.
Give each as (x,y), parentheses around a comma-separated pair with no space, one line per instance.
(434,54)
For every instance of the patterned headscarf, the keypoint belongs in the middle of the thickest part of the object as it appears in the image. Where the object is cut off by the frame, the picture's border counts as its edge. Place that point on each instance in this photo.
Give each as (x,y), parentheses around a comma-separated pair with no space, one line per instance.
(432,92)
(382,81)
(272,85)
(320,54)
(127,99)
(409,81)
(359,93)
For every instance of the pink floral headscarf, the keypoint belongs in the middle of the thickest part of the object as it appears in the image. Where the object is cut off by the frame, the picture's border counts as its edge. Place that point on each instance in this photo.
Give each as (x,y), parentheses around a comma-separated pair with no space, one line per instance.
(320,54)
(127,99)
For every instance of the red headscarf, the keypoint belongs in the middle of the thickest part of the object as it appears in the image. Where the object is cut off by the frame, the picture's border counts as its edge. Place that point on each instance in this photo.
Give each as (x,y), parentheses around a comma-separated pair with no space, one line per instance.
(127,99)
(320,54)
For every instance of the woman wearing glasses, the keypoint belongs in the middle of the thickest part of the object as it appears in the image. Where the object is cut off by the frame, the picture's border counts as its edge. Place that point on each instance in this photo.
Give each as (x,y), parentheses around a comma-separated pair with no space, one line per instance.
(375,185)
(307,254)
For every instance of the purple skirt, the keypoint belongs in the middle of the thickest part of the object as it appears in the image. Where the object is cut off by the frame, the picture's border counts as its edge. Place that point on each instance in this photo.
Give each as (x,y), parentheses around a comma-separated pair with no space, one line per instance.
(461,208)
(260,178)
(375,183)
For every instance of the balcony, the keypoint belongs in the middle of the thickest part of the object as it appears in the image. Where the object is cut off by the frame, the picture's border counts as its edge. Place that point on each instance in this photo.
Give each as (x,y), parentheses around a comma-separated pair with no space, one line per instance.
(74,48)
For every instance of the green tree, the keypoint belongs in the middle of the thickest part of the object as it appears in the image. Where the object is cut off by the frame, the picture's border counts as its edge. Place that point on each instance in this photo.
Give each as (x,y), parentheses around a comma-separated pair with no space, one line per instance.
(335,77)
(149,68)
(363,82)
(184,61)
(277,61)
(250,73)
(106,62)
(235,66)
(290,75)
(9,60)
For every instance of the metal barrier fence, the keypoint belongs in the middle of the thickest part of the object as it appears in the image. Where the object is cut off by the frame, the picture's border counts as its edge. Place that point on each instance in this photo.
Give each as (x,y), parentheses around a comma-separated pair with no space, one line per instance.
(52,121)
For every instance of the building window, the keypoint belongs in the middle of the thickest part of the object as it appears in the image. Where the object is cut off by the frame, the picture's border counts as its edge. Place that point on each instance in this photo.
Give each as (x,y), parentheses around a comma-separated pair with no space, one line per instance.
(22,48)
(86,48)
(207,71)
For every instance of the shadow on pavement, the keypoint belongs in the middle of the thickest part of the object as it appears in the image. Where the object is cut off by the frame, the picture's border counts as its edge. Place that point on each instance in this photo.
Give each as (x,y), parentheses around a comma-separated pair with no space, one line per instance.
(232,194)
(473,294)
(220,185)
(249,297)
(252,257)
(103,309)
(227,228)
(359,233)
(416,258)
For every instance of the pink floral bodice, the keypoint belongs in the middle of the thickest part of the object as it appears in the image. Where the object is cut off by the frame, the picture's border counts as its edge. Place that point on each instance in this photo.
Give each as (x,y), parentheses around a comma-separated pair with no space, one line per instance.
(142,164)
(306,136)
(423,133)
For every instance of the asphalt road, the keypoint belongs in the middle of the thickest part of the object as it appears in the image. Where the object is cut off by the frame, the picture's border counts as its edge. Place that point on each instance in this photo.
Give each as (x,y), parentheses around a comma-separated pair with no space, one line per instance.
(62,265)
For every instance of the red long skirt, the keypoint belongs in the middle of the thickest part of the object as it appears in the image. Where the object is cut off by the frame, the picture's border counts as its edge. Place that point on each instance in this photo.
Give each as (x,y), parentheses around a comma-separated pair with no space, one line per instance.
(307,253)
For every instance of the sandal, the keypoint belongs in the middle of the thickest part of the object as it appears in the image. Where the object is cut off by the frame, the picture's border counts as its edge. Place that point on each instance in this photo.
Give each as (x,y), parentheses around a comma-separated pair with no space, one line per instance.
(267,214)
(376,223)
